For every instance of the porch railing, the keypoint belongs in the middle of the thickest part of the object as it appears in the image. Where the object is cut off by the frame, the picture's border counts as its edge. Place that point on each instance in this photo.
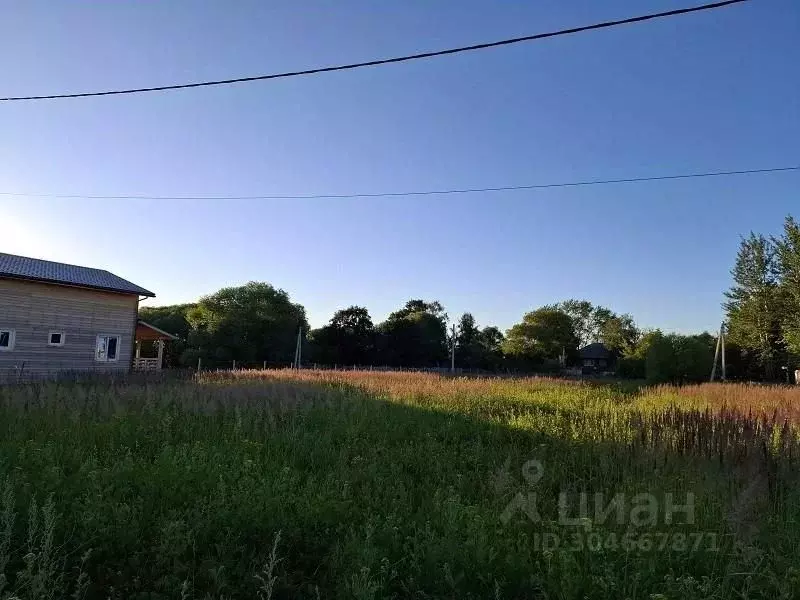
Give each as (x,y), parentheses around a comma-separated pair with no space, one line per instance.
(146,364)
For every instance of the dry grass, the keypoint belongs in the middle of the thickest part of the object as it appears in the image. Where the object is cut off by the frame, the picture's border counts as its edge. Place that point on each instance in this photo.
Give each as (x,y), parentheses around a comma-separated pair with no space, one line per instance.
(739,397)
(781,402)
(386,485)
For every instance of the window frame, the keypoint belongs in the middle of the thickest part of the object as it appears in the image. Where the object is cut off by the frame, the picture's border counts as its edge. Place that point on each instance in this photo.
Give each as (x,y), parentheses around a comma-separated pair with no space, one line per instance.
(50,338)
(12,338)
(107,337)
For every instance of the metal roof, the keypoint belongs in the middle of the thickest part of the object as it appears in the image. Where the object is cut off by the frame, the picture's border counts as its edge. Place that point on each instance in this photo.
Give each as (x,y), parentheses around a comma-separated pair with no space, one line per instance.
(33,269)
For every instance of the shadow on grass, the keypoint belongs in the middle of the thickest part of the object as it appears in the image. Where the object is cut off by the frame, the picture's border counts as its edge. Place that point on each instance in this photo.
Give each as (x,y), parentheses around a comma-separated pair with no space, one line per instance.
(185,485)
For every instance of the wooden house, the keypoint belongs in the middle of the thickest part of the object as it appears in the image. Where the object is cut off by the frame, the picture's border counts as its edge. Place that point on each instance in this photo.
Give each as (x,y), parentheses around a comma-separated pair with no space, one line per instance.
(57,318)
(596,357)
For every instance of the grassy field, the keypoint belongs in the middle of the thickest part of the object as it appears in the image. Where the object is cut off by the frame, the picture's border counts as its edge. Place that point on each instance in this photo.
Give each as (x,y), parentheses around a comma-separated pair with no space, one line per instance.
(381,485)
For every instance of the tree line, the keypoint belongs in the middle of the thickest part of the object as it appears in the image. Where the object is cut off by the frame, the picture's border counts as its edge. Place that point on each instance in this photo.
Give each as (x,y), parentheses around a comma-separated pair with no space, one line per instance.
(763,305)
(257,323)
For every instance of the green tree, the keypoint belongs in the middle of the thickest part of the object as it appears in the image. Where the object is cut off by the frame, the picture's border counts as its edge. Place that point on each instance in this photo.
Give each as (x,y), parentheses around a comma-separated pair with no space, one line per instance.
(545,333)
(659,359)
(788,267)
(694,357)
(584,322)
(321,347)
(171,319)
(675,358)
(643,344)
(599,324)
(619,334)
(468,344)
(468,332)
(250,323)
(414,336)
(347,340)
(492,338)
(478,348)
(434,308)
(633,363)
(753,306)
(491,342)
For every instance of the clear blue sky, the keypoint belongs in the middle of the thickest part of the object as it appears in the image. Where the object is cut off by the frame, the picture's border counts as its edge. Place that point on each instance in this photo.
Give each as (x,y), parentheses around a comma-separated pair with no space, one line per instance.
(716,90)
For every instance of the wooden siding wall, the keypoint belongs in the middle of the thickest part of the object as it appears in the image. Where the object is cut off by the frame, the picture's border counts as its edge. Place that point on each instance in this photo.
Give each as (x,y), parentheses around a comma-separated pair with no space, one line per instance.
(33,310)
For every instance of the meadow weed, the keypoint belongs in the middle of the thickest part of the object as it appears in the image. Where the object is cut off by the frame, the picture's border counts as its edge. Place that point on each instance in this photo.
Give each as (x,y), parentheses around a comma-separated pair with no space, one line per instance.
(324,484)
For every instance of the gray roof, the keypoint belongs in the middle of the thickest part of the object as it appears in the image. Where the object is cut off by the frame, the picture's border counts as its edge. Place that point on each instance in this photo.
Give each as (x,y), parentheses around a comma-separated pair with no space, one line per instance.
(595,351)
(33,269)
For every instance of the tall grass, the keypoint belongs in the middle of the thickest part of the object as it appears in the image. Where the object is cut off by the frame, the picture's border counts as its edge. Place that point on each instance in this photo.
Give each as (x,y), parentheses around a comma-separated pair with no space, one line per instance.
(310,484)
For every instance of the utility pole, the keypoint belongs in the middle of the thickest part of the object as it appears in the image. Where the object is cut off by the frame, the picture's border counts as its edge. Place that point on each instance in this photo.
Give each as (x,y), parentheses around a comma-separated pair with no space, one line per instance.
(453,350)
(720,349)
(298,349)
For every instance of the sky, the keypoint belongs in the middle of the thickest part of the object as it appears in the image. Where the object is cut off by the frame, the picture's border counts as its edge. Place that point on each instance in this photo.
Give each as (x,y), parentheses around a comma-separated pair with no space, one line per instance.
(711,91)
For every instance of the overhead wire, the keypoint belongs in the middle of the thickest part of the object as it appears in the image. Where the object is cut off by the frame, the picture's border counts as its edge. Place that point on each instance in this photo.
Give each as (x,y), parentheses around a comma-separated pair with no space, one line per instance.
(382,61)
(442,192)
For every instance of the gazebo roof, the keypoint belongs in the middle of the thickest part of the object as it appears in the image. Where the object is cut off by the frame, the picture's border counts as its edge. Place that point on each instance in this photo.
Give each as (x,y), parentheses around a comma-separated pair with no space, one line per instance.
(146,332)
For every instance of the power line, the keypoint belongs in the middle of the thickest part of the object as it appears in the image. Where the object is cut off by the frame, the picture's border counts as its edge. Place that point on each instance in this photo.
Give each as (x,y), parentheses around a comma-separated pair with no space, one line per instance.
(386,61)
(506,188)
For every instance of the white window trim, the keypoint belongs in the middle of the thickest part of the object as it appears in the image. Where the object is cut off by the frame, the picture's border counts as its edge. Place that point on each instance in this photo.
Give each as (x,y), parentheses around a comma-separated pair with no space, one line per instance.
(12,337)
(105,359)
(50,337)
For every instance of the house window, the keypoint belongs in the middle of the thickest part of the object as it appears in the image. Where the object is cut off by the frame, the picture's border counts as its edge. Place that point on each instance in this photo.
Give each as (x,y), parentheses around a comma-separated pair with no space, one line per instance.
(107,348)
(6,339)
(55,338)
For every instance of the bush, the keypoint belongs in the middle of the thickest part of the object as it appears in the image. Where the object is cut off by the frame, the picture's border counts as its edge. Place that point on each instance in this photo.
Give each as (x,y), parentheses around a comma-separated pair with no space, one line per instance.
(629,367)
(679,359)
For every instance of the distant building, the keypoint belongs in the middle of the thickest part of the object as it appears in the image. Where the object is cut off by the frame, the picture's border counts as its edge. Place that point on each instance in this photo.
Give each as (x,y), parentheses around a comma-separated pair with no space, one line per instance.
(596,357)
(56,317)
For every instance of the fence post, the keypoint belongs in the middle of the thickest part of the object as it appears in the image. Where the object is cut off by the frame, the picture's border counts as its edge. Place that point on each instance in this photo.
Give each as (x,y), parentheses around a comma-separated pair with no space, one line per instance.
(234,365)
(265,365)
(199,364)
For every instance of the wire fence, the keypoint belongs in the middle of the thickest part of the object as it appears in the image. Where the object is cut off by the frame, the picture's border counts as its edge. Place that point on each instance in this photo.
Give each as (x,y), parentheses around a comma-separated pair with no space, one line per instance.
(23,374)
(564,373)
